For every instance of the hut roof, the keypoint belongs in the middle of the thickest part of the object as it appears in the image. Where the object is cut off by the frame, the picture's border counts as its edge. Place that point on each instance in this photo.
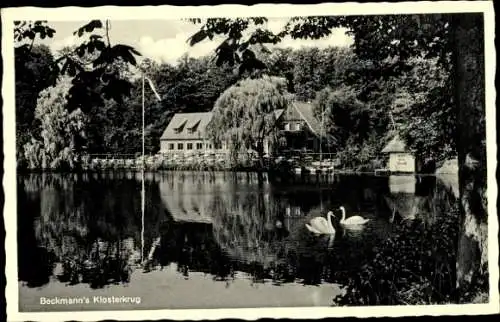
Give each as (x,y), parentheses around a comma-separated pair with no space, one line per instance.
(395,145)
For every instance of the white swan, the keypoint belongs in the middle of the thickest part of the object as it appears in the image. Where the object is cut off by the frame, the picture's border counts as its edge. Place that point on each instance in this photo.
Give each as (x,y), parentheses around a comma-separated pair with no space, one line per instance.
(352,221)
(321,226)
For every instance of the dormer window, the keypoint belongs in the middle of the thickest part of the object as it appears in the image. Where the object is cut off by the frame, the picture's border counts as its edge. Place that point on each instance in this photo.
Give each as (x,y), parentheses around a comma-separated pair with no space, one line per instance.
(193,128)
(180,127)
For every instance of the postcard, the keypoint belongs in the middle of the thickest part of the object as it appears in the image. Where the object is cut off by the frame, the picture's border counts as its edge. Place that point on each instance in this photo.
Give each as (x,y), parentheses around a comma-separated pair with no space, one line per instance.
(277,160)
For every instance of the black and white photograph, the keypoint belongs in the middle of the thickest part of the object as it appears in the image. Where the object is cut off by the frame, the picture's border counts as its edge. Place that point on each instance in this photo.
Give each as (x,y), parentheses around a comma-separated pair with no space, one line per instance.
(282,160)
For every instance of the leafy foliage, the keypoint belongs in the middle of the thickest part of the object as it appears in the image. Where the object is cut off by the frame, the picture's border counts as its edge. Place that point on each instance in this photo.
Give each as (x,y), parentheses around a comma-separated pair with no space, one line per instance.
(313,69)
(385,47)
(89,64)
(60,131)
(361,105)
(89,27)
(32,71)
(235,48)
(29,30)
(425,111)
(356,126)
(415,266)
(244,115)
(101,75)
(376,37)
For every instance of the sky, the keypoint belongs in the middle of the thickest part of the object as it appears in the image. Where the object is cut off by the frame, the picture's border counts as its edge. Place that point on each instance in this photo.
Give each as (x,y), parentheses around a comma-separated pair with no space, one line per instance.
(166,40)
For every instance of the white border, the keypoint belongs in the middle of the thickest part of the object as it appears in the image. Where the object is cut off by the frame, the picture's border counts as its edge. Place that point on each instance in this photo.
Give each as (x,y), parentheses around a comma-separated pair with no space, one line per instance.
(269,10)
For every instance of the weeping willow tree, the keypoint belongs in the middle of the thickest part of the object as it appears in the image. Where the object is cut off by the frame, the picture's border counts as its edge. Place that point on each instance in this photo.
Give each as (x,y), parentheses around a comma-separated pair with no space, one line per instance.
(245,116)
(61,131)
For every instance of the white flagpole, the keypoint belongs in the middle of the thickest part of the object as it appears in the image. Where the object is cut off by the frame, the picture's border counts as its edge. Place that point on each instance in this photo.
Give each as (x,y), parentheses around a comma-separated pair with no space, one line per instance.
(143,192)
(143,150)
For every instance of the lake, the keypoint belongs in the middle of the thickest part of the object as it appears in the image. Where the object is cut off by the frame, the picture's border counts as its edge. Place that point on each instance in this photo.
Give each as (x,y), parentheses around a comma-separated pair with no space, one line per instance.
(206,240)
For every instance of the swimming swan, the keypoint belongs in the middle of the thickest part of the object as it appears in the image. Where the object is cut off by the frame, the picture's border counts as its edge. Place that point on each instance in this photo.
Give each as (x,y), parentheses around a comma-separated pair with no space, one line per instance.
(352,221)
(321,226)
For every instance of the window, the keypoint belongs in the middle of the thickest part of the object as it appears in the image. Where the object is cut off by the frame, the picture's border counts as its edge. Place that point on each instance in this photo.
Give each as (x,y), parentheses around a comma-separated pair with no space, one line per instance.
(199,146)
(181,126)
(218,146)
(297,126)
(180,146)
(170,146)
(209,146)
(190,146)
(193,128)
(287,126)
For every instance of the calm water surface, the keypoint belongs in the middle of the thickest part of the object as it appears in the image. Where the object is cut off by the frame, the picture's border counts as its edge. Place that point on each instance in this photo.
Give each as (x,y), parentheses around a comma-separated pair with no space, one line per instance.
(207,240)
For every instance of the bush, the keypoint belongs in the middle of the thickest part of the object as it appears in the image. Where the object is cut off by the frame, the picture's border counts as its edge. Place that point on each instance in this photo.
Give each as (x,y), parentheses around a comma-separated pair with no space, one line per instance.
(415,266)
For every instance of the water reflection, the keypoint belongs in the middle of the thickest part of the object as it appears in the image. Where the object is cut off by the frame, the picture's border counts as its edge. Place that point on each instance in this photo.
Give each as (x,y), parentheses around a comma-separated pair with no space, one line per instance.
(422,197)
(86,229)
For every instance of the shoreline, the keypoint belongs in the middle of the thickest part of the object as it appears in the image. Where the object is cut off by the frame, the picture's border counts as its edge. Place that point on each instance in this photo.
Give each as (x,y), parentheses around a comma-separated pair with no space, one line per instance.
(263,171)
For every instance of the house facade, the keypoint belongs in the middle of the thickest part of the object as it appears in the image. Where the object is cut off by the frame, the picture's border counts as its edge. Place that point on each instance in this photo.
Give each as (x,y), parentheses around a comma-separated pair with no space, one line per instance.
(302,131)
(299,129)
(400,159)
(186,133)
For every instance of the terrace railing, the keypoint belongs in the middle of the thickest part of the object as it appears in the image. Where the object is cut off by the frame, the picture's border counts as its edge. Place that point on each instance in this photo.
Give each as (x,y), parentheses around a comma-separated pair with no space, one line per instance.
(202,159)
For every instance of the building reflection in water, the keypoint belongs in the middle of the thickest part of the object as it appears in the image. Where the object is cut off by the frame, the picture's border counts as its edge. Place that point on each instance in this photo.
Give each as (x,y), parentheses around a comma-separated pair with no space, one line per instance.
(424,197)
(88,229)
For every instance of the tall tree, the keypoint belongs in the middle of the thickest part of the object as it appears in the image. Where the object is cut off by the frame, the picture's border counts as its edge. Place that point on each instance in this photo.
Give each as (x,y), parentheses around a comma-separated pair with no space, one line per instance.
(244,115)
(424,112)
(90,64)
(280,63)
(32,71)
(316,68)
(60,130)
(467,41)
(94,66)
(358,128)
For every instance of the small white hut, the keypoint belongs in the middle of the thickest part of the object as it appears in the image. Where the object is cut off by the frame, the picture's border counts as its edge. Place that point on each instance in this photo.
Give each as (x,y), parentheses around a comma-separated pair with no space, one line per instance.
(400,159)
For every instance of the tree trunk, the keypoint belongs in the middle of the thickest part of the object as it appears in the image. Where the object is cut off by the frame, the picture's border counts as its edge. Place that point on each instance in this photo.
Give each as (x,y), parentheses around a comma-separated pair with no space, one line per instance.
(260,153)
(468,49)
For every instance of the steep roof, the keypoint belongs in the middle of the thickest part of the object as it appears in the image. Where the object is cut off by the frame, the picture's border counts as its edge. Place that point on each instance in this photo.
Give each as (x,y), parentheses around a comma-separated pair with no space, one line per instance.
(395,145)
(306,110)
(187,126)
(278,113)
(192,126)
